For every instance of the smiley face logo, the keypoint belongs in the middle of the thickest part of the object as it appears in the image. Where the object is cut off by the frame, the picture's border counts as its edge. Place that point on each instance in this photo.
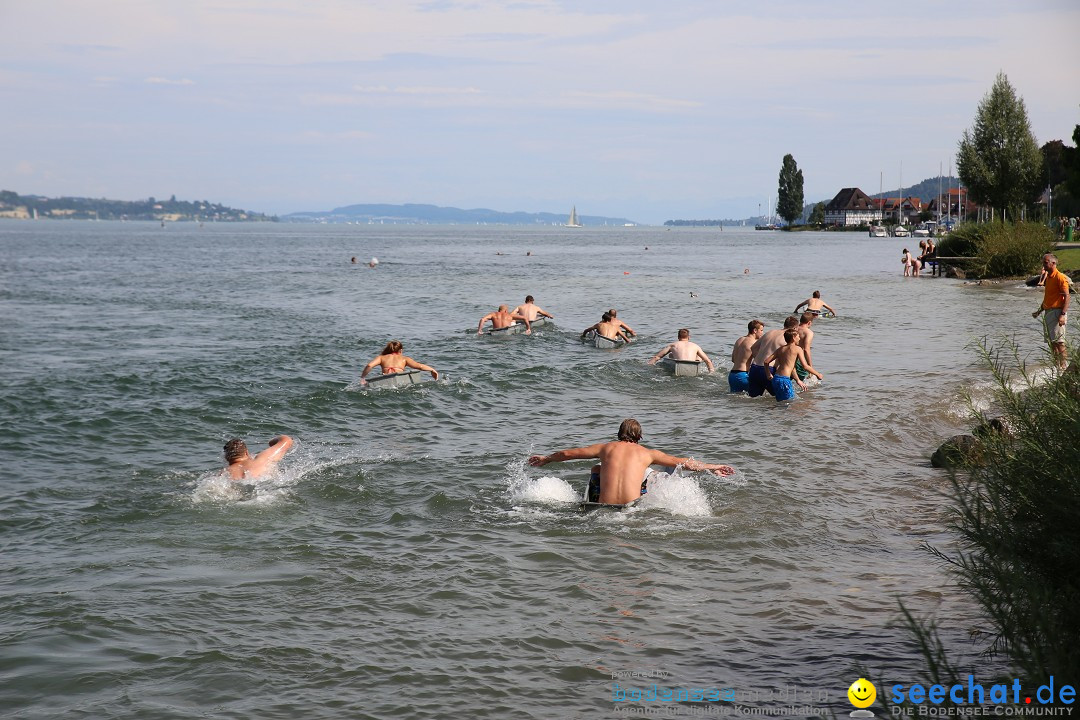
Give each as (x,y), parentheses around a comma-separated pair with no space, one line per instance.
(862,693)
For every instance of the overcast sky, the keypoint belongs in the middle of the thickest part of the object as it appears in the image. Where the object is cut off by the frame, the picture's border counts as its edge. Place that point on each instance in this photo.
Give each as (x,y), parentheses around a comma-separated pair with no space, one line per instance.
(641,109)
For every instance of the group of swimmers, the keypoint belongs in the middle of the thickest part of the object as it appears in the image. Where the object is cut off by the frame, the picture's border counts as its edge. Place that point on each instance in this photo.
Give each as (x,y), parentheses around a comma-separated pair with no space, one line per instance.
(777,361)
(761,362)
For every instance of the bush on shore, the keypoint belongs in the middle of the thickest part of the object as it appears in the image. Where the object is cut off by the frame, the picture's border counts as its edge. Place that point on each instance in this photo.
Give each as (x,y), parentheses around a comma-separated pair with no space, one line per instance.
(999,249)
(1016,512)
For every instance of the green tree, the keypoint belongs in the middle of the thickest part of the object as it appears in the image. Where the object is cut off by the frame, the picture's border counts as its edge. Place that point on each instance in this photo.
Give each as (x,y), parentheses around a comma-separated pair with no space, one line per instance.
(789,205)
(999,160)
(817,215)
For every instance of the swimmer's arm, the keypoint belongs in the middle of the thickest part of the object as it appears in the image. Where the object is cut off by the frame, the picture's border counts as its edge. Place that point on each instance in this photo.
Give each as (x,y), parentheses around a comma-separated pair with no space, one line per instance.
(588,329)
(804,303)
(769,362)
(708,363)
(626,327)
(482,321)
(807,367)
(278,447)
(581,453)
(824,305)
(367,369)
(544,313)
(662,353)
(410,363)
(528,325)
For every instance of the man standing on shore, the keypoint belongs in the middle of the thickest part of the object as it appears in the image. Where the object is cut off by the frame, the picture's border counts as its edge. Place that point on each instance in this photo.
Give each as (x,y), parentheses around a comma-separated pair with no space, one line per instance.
(1055,304)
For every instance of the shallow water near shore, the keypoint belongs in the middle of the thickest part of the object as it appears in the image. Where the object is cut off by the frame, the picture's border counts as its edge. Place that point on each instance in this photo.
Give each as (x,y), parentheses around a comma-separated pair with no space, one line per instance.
(404,561)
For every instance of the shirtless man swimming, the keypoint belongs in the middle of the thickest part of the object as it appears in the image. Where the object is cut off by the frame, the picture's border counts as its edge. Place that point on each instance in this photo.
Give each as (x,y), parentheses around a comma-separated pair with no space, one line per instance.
(531,311)
(607,327)
(393,361)
(683,349)
(624,464)
(785,358)
(242,466)
(623,326)
(814,304)
(503,318)
(760,375)
(741,354)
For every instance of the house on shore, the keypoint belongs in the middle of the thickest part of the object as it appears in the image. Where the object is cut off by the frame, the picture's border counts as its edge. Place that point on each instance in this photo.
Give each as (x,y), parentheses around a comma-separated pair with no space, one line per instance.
(851,206)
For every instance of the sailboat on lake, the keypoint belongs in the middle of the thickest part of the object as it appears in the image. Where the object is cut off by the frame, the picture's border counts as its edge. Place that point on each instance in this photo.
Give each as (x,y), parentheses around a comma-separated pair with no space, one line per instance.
(573,221)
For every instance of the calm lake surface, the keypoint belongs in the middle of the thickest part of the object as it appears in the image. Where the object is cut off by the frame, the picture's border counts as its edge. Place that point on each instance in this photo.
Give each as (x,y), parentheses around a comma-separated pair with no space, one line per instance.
(405,562)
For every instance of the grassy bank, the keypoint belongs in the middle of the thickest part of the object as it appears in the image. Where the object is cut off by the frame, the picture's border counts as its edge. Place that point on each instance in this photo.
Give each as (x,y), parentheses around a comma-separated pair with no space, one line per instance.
(1015,508)
(1068,259)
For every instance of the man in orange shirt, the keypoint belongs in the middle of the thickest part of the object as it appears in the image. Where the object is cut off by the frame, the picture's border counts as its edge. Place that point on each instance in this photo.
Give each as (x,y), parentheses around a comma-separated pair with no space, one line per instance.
(1056,306)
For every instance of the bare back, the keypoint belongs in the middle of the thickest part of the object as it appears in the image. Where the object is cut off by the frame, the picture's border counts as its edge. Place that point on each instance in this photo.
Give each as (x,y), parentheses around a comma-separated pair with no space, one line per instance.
(610,329)
(501,319)
(684,350)
(530,311)
(622,468)
(785,358)
(769,343)
(742,353)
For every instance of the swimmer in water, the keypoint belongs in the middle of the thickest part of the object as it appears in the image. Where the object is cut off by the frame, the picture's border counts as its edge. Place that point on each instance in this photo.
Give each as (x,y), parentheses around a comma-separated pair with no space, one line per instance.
(393,361)
(815,304)
(683,349)
(503,318)
(741,354)
(373,263)
(242,466)
(624,463)
(531,310)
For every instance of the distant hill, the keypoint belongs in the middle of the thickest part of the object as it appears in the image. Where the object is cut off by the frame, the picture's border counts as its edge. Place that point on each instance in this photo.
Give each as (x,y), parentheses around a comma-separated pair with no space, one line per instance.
(926,190)
(13,205)
(412,214)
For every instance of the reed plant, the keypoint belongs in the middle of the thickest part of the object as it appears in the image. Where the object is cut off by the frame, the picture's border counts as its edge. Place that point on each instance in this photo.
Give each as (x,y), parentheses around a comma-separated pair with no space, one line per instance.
(1016,516)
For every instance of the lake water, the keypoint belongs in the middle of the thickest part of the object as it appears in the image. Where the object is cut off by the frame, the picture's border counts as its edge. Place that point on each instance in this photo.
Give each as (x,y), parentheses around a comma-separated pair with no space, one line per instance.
(405,562)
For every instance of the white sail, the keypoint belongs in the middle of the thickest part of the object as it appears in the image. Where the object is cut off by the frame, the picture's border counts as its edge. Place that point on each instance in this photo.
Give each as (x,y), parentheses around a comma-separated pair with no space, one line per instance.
(573,222)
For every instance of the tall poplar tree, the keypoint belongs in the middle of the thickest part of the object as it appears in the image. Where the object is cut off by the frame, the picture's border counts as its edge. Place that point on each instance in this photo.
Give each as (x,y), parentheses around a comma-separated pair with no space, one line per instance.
(999,160)
(789,204)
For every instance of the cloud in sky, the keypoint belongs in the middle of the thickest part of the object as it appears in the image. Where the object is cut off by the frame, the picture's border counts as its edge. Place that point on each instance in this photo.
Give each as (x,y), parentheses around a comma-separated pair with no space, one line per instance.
(637,108)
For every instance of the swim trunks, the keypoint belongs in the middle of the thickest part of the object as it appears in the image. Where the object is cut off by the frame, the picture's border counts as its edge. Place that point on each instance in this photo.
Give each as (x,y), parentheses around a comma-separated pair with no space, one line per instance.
(738,381)
(802,372)
(759,381)
(783,388)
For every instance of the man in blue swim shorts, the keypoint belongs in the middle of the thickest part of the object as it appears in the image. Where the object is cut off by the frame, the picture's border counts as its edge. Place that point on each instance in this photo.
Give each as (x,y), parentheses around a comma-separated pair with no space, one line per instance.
(767,344)
(785,358)
(741,354)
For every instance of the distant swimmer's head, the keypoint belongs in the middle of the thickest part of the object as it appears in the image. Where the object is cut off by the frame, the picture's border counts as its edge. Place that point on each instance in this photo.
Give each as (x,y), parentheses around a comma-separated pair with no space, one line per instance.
(817,293)
(754,325)
(612,313)
(528,298)
(630,430)
(807,318)
(606,317)
(791,321)
(791,335)
(503,308)
(392,347)
(684,333)
(235,450)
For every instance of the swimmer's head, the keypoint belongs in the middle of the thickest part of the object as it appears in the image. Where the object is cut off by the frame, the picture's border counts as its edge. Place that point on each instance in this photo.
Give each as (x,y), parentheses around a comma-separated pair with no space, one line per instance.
(753,326)
(807,318)
(791,335)
(502,308)
(791,321)
(528,298)
(630,430)
(817,293)
(612,313)
(235,450)
(392,347)
(684,333)
(606,317)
